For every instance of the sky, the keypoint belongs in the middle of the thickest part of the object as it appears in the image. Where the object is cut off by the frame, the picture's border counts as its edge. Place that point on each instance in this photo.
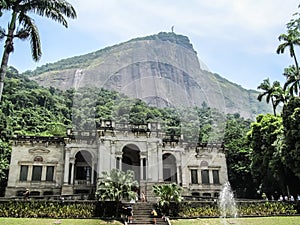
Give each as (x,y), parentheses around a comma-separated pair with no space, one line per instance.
(236,39)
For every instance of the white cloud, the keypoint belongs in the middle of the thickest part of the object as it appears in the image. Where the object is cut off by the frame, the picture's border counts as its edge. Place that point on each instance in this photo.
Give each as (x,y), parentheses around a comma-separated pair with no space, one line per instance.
(224,14)
(220,30)
(234,20)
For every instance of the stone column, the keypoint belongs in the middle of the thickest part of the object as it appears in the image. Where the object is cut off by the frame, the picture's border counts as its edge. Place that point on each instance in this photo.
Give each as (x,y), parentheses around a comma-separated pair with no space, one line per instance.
(44,171)
(145,169)
(120,163)
(185,171)
(149,166)
(100,159)
(29,177)
(66,169)
(200,176)
(160,163)
(93,172)
(141,169)
(178,174)
(112,156)
(72,161)
(210,175)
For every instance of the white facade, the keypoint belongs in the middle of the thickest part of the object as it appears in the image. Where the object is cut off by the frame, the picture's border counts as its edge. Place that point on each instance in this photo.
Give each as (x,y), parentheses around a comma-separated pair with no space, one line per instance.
(72,165)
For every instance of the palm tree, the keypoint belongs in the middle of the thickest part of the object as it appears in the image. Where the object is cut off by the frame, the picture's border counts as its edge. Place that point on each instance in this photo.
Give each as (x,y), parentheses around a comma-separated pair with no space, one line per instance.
(268,92)
(291,39)
(22,26)
(292,80)
(280,94)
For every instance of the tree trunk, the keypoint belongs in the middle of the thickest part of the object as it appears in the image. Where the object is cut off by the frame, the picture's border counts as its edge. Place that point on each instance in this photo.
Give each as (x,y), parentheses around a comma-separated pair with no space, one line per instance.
(8,48)
(298,74)
(3,70)
(274,107)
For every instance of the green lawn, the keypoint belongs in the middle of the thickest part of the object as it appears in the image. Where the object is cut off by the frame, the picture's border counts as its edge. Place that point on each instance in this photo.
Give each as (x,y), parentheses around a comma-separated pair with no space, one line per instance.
(33,221)
(288,220)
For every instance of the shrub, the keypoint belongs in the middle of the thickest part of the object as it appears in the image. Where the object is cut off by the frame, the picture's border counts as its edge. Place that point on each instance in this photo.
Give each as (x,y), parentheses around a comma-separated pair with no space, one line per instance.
(258,208)
(56,209)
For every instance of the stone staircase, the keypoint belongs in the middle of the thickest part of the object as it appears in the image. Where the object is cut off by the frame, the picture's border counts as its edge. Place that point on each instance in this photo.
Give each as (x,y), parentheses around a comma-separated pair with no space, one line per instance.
(141,214)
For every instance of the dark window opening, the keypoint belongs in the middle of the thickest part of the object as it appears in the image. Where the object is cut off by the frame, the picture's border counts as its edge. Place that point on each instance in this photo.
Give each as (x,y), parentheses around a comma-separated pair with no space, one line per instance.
(205,177)
(48,193)
(37,173)
(23,173)
(206,194)
(195,194)
(194,176)
(49,173)
(216,178)
(35,193)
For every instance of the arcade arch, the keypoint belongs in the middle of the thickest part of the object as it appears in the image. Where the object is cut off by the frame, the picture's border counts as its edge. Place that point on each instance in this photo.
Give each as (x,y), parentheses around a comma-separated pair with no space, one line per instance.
(131,160)
(169,168)
(84,169)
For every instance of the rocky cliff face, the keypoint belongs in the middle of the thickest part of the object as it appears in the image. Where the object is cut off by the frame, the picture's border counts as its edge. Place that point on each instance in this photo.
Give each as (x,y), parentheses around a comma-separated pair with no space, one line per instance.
(162,70)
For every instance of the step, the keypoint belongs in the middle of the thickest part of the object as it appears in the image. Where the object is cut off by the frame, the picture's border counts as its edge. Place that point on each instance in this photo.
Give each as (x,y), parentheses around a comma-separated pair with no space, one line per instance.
(147,222)
(142,216)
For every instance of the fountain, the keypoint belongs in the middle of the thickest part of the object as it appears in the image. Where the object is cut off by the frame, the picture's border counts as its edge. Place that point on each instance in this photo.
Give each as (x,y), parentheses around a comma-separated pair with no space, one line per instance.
(227,205)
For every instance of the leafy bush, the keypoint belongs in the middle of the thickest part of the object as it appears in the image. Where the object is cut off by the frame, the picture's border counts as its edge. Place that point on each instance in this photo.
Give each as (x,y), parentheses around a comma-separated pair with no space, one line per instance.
(206,209)
(48,209)
(266,209)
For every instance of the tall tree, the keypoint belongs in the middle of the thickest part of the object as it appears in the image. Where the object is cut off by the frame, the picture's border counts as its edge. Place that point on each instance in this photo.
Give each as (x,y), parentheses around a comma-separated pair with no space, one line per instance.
(291,40)
(291,123)
(267,166)
(238,156)
(22,26)
(292,83)
(272,92)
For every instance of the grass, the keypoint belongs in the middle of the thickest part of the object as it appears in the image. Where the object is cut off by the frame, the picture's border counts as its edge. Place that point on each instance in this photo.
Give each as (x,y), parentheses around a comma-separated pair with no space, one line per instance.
(287,220)
(33,221)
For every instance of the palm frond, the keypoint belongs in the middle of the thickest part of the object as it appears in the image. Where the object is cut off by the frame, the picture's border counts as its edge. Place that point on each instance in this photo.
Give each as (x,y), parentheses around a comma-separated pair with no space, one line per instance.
(54,9)
(2,33)
(29,25)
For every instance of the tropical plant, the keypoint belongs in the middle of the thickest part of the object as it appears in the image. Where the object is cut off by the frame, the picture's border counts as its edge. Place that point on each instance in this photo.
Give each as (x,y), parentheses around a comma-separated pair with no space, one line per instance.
(166,194)
(116,186)
(272,92)
(291,39)
(292,83)
(22,26)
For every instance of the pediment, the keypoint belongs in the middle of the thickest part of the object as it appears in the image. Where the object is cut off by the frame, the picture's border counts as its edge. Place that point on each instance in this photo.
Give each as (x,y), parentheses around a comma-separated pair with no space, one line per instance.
(39,150)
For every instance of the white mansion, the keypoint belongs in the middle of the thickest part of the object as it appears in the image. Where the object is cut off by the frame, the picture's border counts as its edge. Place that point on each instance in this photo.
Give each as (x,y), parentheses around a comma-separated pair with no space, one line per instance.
(72,165)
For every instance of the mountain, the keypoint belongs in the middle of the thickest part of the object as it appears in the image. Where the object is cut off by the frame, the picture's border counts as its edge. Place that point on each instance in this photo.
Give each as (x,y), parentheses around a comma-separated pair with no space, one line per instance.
(161,69)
